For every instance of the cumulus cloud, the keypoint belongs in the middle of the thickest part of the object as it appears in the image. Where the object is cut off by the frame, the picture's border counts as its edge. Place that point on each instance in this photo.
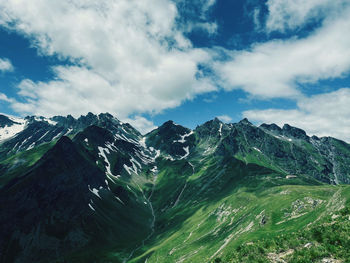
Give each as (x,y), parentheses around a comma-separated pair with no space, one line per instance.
(224,118)
(277,67)
(5,65)
(322,115)
(128,56)
(133,57)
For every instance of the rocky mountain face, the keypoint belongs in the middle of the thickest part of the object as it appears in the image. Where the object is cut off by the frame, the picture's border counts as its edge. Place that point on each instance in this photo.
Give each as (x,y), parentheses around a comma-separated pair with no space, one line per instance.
(94,189)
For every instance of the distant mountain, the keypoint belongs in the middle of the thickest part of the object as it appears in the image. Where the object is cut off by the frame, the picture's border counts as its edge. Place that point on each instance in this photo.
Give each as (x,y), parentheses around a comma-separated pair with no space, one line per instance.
(94,189)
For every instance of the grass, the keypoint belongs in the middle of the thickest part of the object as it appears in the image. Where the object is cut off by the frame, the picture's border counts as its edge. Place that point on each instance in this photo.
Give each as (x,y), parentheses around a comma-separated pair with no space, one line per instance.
(211,224)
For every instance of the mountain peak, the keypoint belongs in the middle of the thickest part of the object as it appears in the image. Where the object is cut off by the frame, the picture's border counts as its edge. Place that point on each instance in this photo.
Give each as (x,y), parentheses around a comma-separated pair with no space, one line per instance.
(216,119)
(271,127)
(168,123)
(64,142)
(171,126)
(106,115)
(245,121)
(294,132)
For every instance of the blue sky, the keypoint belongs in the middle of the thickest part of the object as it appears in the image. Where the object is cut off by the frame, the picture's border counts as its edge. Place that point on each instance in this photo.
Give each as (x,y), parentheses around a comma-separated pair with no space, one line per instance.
(281,61)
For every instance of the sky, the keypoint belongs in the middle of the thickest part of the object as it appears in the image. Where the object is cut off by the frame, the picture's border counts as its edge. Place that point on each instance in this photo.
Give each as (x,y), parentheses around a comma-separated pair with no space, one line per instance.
(271,61)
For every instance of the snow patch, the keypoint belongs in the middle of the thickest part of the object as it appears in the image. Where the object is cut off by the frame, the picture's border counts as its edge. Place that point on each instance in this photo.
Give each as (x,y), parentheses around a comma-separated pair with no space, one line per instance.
(182,140)
(143,142)
(134,168)
(106,182)
(187,150)
(282,137)
(127,169)
(94,191)
(102,153)
(154,169)
(157,154)
(10,131)
(68,132)
(92,207)
(122,137)
(56,137)
(51,122)
(43,136)
(134,162)
(256,149)
(31,146)
(22,144)
(116,197)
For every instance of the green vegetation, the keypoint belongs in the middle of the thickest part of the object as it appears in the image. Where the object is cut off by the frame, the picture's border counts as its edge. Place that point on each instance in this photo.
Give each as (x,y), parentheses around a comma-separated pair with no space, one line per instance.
(329,238)
(220,193)
(239,216)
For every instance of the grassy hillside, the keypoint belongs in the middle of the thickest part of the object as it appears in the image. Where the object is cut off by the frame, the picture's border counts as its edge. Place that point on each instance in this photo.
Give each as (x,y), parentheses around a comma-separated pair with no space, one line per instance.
(229,212)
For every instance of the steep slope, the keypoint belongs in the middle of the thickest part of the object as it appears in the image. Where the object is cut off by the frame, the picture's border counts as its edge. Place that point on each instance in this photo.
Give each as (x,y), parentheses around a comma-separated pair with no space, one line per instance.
(80,197)
(173,140)
(38,134)
(64,204)
(200,210)
(227,192)
(288,150)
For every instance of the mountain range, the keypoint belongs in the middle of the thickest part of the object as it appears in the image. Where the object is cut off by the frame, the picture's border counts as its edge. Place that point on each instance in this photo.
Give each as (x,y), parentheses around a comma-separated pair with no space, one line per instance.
(94,189)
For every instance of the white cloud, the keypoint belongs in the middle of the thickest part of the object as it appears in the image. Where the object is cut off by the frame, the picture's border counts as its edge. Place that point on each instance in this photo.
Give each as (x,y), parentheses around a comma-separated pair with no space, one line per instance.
(322,115)
(193,16)
(209,28)
(128,56)
(224,118)
(292,14)
(141,124)
(3,97)
(5,65)
(275,68)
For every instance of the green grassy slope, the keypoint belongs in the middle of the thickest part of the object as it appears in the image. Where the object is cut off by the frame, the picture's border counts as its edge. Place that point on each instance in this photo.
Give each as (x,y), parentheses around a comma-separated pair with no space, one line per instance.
(226,205)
